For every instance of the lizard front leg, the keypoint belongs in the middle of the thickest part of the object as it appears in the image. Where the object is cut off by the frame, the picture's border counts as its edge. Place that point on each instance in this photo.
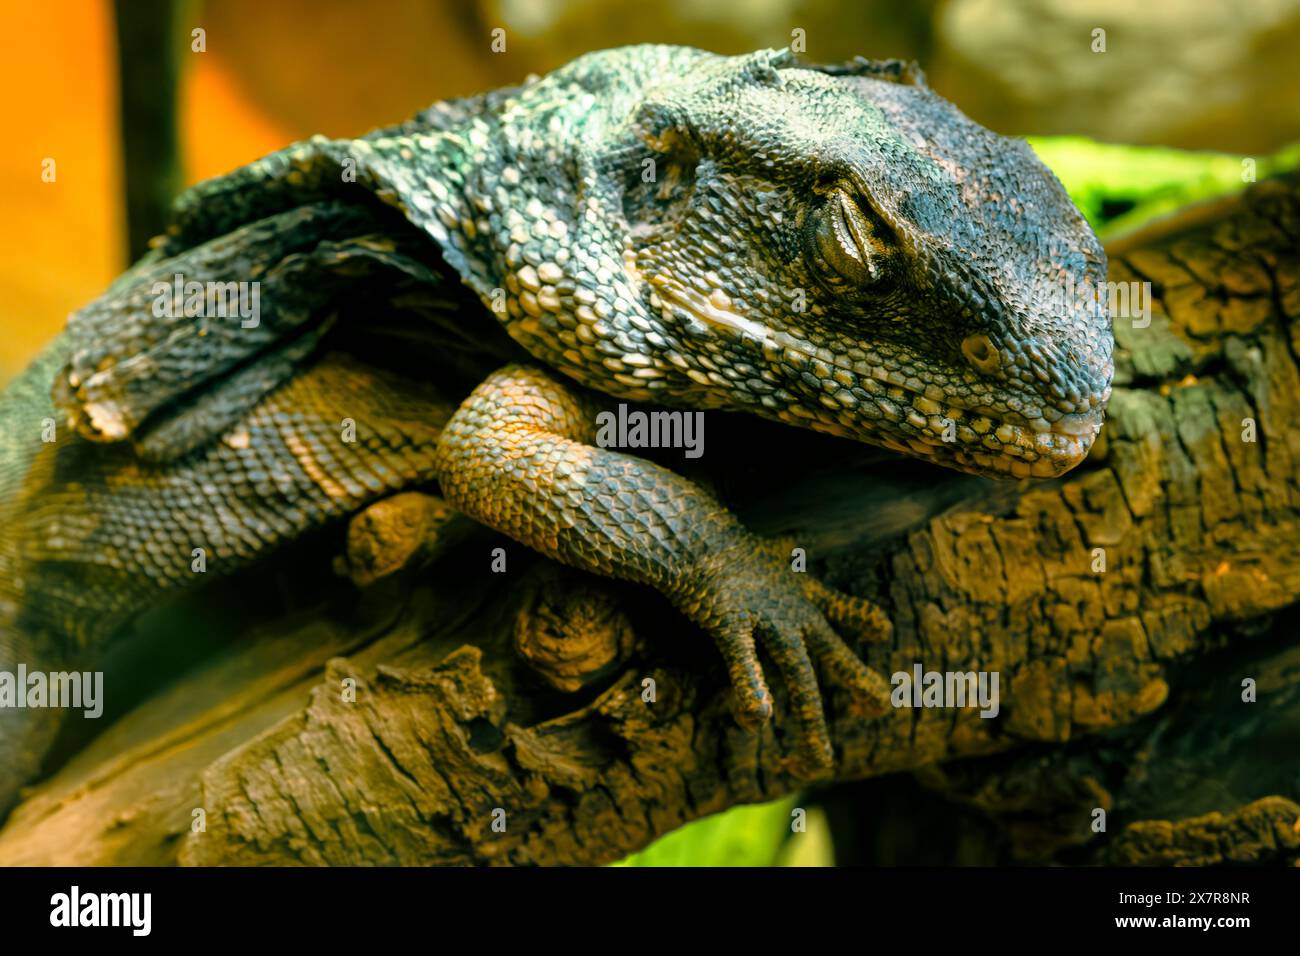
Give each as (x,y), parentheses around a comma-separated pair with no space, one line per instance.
(519,455)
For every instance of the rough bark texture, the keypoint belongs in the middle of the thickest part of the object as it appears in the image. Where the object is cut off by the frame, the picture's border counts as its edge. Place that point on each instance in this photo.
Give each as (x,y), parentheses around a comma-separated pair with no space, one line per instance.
(518,698)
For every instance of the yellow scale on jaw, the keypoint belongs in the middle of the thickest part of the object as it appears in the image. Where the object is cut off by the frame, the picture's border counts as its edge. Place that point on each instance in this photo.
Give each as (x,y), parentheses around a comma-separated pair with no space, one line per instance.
(713,310)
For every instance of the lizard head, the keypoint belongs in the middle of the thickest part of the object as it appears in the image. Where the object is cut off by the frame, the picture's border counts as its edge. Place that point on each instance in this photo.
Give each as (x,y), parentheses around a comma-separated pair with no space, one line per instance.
(837,248)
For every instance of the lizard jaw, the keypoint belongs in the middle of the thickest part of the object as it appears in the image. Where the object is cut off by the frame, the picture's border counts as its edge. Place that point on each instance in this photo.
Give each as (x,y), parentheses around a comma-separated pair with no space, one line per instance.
(1009,451)
(996,446)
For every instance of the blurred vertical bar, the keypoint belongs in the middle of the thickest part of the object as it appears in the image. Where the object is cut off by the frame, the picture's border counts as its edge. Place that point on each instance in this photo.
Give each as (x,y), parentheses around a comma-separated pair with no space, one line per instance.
(147,44)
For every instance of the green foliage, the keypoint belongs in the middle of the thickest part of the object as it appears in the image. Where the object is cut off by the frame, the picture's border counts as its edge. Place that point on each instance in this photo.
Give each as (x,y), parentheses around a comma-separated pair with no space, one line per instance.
(749,835)
(1121,187)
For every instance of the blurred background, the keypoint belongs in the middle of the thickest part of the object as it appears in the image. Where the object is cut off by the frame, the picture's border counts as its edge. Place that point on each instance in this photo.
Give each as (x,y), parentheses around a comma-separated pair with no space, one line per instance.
(110,108)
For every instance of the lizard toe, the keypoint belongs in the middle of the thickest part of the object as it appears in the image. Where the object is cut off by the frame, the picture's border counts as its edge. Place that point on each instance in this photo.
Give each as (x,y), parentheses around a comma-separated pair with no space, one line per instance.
(869,691)
(751,701)
(848,613)
(782,640)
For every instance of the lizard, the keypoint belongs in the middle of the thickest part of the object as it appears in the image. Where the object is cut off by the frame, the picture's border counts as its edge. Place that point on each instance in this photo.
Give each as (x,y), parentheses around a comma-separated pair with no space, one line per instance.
(831,247)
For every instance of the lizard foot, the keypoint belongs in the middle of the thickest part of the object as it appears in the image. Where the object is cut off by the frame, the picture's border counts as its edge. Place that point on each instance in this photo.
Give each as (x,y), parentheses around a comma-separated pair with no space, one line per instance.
(748,597)
(847,613)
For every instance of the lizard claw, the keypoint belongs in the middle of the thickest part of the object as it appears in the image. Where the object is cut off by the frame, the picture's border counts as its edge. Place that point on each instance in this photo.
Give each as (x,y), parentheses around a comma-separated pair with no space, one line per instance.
(849,613)
(754,599)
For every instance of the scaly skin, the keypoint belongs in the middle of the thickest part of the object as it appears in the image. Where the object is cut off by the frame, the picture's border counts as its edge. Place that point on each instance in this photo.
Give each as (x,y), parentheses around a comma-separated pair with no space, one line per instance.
(92,535)
(831,247)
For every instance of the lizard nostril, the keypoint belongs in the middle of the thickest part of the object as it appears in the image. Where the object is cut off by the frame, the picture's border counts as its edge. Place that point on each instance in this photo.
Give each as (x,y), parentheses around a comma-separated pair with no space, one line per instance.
(981,354)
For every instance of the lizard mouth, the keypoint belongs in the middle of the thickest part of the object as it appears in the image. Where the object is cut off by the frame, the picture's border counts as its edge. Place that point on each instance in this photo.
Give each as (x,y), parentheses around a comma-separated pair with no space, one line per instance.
(915,420)
(1001,448)
(977,440)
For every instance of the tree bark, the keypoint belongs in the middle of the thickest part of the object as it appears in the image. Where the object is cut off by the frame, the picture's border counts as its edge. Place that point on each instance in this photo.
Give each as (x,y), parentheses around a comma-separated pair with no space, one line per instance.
(452,715)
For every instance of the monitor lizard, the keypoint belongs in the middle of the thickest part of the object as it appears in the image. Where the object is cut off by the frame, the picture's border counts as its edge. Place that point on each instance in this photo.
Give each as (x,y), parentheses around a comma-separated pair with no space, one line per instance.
(830,247)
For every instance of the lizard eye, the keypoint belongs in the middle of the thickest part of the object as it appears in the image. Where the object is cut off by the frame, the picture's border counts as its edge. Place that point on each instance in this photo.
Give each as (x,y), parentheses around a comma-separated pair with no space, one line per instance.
(849,247)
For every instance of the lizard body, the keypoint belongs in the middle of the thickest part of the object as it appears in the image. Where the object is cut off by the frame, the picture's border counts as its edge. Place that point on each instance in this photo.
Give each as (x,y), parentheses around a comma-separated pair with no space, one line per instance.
(831,247)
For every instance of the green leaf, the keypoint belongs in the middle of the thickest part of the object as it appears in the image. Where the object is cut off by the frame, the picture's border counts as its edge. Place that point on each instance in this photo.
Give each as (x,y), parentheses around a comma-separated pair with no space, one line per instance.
(1119,188)
(748,835)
